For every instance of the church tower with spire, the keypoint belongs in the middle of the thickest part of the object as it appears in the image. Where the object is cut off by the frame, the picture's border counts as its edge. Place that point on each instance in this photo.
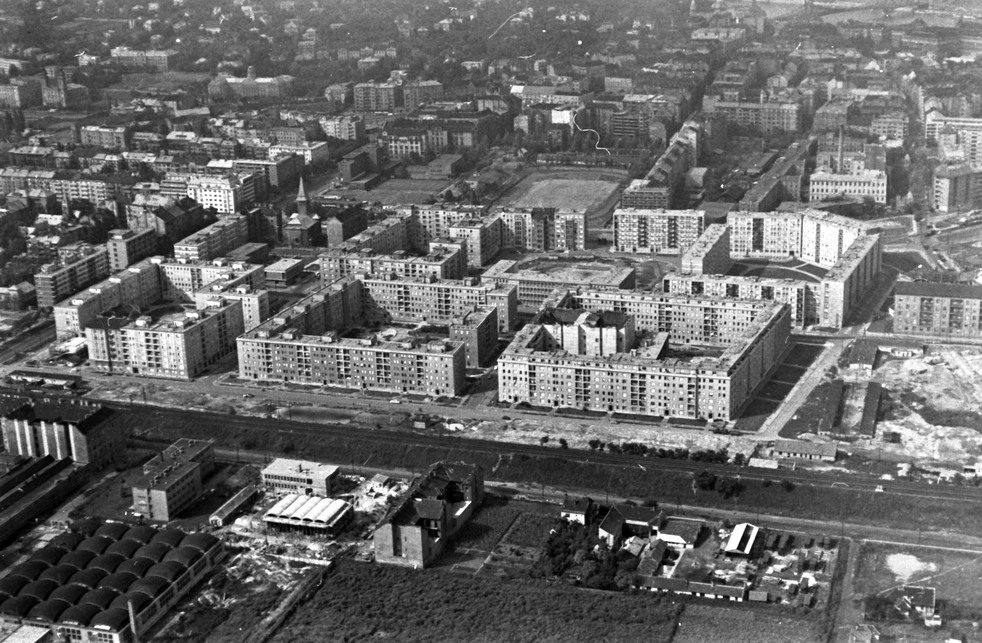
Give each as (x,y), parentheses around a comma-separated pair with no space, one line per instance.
(302,200)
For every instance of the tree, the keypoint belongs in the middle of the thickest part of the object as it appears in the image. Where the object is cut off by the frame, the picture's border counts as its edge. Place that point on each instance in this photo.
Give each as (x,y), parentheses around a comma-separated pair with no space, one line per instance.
(739,459)
(594,444)
(705,480)
(650,502)
(544,440)
(787,485)
(729,487)
(563,444)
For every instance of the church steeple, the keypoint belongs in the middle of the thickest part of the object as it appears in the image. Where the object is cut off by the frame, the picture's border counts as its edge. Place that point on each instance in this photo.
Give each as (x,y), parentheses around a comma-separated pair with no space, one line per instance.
(301,198)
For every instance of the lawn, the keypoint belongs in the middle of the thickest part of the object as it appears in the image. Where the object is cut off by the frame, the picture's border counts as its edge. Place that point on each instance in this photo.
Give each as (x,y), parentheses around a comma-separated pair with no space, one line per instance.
(530,529)
(803,354)
(359,602)
(489,524)
(715,624)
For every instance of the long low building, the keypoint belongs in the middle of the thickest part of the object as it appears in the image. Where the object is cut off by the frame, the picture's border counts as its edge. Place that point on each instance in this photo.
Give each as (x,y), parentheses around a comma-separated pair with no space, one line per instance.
(739,342)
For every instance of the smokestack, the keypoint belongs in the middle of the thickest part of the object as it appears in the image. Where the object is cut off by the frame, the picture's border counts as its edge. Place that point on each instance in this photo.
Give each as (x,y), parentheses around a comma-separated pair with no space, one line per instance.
(842,129)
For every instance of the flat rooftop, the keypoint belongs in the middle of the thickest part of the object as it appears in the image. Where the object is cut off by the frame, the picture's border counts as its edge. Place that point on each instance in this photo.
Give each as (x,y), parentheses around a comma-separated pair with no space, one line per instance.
(565,270)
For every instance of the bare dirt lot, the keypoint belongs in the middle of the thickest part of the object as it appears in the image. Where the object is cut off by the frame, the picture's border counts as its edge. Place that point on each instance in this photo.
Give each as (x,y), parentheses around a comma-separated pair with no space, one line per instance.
(934,406)
(595,191)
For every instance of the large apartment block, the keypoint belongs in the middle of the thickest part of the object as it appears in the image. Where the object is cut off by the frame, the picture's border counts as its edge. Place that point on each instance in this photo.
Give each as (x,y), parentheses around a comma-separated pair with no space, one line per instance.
(435,220)
(126,247)
(78,266)
(136,287)
(442,263)
(958,187)
(657,230)
(284,350)
(481,239)
(710,254)
(937,309)
(213,241)
(865,183)
(748,336)
(543,229)
(811,235)
(536,280)
(799,295)
(388,298)
(176,346)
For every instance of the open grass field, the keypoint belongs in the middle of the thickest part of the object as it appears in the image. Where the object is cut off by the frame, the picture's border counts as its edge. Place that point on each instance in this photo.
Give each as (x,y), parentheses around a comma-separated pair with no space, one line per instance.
(716,624)
(488,525)
(955,575)
(359,601)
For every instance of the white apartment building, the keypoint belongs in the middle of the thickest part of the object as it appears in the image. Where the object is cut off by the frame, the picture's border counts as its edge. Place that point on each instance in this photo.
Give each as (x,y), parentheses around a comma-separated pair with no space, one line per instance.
(865,183)
(656,230)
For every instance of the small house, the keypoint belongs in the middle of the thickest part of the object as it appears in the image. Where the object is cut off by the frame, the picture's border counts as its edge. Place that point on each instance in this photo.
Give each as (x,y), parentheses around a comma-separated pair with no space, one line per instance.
(580,510)
(623,521)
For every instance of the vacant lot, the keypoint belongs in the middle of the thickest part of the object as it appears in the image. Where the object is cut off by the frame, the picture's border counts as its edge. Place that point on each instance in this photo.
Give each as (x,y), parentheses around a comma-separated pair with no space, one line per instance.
(575,194)
(714,624)
(955,575)
(359,602)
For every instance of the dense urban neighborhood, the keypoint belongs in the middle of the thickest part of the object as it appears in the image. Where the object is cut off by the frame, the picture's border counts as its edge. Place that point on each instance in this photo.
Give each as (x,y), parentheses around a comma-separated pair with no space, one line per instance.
(490,321)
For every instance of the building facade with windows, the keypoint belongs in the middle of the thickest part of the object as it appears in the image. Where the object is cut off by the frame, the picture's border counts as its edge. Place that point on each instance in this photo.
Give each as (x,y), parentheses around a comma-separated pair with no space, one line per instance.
(937,309)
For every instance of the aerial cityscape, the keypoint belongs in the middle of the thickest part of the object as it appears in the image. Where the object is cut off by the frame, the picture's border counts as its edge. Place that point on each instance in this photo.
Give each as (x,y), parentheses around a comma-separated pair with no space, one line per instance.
(490,320)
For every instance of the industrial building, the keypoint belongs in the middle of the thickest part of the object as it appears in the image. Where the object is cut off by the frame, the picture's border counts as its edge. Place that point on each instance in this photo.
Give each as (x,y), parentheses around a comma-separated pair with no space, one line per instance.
(742,341)
(109,584)
(70,429)
(311,515)
(437,505)
(656,230)
(951,310)
(172,480)
(300,476)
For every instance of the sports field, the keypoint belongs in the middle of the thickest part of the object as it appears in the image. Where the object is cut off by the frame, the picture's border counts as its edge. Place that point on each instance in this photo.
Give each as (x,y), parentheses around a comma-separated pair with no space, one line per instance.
(595,191)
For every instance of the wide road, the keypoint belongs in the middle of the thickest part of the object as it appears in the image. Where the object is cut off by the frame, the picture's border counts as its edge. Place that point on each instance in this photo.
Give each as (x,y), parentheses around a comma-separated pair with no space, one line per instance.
(28,342)
(851,481)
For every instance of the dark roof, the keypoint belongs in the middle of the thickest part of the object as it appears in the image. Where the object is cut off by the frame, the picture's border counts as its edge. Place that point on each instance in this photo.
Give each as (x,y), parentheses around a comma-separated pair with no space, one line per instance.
(30,569)
(82,414)
(39,589)
(59,574)
(152,586)
(168,570)
(613,522)
(138,566)
(79,614)
(153,551)
(100,597)
(686,529)
(50,555)
(78,559)
(86,526)
(68,540)
(119,581)
(933,289)
(138,599)
(116,619)
(68,593)
(88,578)
(95,544)
(124,548)
(200,541)
(647,515)
(114,530)
(141,533)
(172,537)
(18,606)
(429,509)
(576,505)
(10,585)
(48,610)
(183,555)
(107,562)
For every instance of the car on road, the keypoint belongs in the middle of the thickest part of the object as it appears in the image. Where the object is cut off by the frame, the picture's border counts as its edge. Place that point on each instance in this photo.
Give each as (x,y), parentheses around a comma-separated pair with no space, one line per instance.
(247,396)
(395,400)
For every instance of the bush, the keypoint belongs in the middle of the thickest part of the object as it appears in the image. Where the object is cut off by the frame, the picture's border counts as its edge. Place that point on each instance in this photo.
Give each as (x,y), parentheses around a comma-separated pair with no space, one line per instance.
(705,480)
(787,485)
